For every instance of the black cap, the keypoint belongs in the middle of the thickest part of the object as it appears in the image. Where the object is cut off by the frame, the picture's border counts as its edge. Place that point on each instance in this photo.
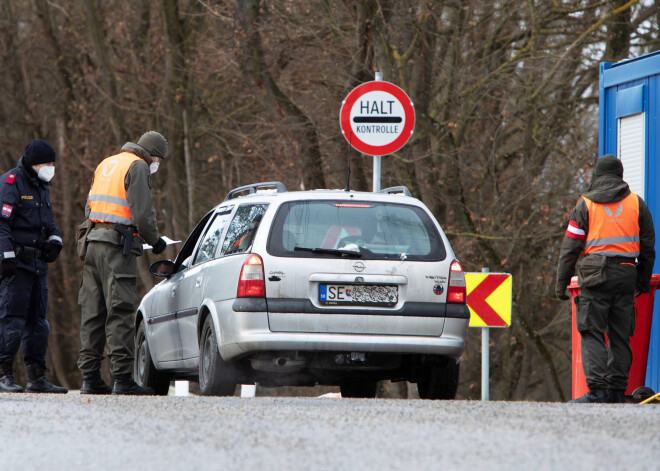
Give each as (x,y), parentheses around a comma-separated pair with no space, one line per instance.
(608,165)
(38,152)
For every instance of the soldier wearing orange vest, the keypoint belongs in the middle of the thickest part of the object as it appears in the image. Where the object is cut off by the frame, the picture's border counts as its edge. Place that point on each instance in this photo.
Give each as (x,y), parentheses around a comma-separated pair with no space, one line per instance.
(613,230)
(121,208)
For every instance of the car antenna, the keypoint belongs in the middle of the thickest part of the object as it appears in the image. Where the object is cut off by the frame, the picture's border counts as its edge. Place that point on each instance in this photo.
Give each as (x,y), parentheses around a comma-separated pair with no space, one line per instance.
(348,173)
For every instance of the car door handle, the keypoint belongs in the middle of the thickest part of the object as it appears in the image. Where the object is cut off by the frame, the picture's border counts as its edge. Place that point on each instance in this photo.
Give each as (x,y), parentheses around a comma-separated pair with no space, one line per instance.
(198,282)
(174,291)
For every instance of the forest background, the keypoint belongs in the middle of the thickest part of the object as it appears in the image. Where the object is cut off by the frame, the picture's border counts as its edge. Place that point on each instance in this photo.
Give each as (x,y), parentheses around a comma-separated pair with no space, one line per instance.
(506,102)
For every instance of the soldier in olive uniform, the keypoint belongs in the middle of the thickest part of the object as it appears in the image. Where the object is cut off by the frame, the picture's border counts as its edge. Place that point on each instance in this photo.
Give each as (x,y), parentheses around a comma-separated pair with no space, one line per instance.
(613,231)
(120,206)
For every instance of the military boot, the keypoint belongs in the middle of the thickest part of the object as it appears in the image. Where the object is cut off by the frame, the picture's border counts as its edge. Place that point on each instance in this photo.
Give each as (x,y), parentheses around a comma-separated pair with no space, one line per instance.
(94,384)
(616,396)
(593,396)
(37,382)
(124,384)
(7,381)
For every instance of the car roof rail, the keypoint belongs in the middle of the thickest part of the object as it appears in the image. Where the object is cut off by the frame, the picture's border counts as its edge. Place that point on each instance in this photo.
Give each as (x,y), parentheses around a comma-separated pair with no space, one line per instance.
(279,186)
(396,189)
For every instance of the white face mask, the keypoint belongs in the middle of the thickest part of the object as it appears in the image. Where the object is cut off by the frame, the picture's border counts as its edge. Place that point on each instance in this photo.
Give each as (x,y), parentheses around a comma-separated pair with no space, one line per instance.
(154,167)
(46,173)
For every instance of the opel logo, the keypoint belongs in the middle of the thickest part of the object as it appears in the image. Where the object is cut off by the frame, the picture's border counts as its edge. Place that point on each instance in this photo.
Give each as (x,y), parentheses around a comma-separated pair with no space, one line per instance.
(359,266)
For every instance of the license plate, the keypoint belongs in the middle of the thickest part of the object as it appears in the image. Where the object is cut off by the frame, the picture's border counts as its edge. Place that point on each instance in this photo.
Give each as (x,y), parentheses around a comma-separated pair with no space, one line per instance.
(369,295)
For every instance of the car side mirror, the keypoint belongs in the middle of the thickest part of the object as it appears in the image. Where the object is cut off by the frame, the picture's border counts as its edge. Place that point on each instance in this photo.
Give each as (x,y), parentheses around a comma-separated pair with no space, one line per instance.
(162,268)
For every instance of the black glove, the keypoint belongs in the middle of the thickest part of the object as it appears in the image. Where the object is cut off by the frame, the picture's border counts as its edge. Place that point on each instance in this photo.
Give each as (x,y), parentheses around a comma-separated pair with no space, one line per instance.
(560,292)
(8,267)
(50,251)
(159,246)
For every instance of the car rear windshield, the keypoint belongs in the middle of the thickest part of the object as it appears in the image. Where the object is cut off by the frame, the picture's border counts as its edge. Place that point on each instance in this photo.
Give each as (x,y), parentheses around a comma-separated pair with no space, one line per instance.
(358,229)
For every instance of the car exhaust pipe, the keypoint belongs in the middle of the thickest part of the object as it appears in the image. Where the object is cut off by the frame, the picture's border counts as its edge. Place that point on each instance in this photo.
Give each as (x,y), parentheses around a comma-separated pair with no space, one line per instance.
(280,361)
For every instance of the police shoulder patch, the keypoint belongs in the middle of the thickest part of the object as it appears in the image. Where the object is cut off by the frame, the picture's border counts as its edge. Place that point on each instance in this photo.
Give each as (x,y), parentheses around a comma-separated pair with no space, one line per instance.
(7,210)
(11,178)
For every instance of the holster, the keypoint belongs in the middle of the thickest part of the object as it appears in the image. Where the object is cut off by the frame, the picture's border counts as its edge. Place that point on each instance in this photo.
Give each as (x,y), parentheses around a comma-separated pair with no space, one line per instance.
(27,254)
(126,239)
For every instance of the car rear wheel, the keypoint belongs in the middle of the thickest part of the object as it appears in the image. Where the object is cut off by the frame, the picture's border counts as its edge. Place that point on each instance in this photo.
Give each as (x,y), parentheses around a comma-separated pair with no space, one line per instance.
(216,376)
(145,373)
(365,388)
(440,381)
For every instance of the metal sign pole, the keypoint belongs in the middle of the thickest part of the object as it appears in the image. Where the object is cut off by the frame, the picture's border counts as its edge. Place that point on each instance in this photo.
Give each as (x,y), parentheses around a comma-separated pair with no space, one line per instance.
(377,158)
(485,357)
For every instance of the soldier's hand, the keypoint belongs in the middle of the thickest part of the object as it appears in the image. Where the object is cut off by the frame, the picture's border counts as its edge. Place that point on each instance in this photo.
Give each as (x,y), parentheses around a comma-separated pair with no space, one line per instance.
(159,246)
(51,251)
(560,292)
(8,267)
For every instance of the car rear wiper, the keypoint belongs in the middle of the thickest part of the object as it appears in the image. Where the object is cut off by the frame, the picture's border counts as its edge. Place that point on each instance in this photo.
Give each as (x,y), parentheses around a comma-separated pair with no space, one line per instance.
(339,252)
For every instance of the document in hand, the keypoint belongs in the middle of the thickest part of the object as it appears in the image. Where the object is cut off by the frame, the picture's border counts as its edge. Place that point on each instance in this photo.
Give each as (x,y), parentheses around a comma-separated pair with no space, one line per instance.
(169,241)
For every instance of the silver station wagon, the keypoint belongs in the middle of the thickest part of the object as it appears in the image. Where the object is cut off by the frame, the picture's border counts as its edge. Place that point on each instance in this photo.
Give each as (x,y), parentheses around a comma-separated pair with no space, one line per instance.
(298,288)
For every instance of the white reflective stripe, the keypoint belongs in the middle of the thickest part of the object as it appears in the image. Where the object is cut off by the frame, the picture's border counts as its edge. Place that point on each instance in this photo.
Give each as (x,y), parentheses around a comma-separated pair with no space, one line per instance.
(108,199)
(96,216)
(9,254)
(56,238)
(612,240)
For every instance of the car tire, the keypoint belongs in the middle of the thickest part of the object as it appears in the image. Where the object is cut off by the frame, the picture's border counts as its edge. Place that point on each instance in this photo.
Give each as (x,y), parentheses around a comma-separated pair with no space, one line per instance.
(216,376)
(365,388)
(144,371)
(439,381)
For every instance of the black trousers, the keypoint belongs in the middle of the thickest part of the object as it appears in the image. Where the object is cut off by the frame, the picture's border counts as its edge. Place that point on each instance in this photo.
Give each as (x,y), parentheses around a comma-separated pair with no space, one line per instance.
(608,308)
(23,309)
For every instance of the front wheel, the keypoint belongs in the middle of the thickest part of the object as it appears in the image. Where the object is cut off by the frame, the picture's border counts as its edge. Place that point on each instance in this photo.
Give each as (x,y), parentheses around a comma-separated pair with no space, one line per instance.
(144,371)
(439,380)
(216,376)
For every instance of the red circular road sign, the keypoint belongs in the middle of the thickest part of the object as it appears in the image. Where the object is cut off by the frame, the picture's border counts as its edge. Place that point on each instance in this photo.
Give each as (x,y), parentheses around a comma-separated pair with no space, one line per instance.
(377,118)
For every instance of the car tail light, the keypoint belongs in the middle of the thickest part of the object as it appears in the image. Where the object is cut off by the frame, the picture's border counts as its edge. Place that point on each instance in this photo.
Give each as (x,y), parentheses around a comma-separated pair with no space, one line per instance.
(251,282)
(456,290)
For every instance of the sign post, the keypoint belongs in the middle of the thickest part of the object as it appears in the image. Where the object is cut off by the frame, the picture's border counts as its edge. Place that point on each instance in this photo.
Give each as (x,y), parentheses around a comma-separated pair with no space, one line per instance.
(378,159)
(485,357)
(489,298)
(377,118)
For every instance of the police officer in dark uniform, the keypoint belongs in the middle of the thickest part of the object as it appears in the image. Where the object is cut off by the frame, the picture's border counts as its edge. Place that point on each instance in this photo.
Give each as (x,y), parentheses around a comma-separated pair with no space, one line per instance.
(29,240)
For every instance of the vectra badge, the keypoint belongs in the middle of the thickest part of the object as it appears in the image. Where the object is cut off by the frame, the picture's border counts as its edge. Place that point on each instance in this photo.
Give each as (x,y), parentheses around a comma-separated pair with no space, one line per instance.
(359,267)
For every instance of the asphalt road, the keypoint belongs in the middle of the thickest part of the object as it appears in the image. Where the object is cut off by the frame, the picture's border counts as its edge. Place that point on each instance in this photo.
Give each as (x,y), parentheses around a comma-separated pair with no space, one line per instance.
(50,432)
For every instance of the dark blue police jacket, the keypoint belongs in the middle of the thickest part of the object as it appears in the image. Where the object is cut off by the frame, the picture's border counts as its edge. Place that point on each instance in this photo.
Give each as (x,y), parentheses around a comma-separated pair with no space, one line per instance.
(26,218)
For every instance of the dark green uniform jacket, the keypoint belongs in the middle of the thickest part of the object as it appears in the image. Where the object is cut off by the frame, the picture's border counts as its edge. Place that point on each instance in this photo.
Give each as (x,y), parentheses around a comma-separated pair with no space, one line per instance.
(140,203)
(607,189)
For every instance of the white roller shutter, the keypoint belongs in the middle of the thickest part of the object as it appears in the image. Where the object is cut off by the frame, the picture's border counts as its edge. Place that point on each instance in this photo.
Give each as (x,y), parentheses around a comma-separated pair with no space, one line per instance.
(632,151)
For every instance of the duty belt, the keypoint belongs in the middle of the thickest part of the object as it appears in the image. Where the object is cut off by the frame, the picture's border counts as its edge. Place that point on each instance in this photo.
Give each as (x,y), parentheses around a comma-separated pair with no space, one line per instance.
(27,254)
(619,259)
(126,232)
(105,225)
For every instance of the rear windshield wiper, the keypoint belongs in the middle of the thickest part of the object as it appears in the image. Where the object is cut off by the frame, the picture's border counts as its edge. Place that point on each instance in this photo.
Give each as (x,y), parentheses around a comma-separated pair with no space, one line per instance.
(339,252)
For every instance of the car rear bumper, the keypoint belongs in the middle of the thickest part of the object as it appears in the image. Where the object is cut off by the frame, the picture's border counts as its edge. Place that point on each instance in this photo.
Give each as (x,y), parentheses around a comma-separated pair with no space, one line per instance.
(249,332)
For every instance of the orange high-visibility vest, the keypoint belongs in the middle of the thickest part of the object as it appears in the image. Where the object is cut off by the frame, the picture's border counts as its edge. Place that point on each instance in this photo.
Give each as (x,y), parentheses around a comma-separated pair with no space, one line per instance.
(613,228)
(107,198)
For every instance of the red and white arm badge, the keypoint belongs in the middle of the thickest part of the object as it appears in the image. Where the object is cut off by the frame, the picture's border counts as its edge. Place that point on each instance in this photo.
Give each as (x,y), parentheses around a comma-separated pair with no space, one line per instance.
(574,232)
